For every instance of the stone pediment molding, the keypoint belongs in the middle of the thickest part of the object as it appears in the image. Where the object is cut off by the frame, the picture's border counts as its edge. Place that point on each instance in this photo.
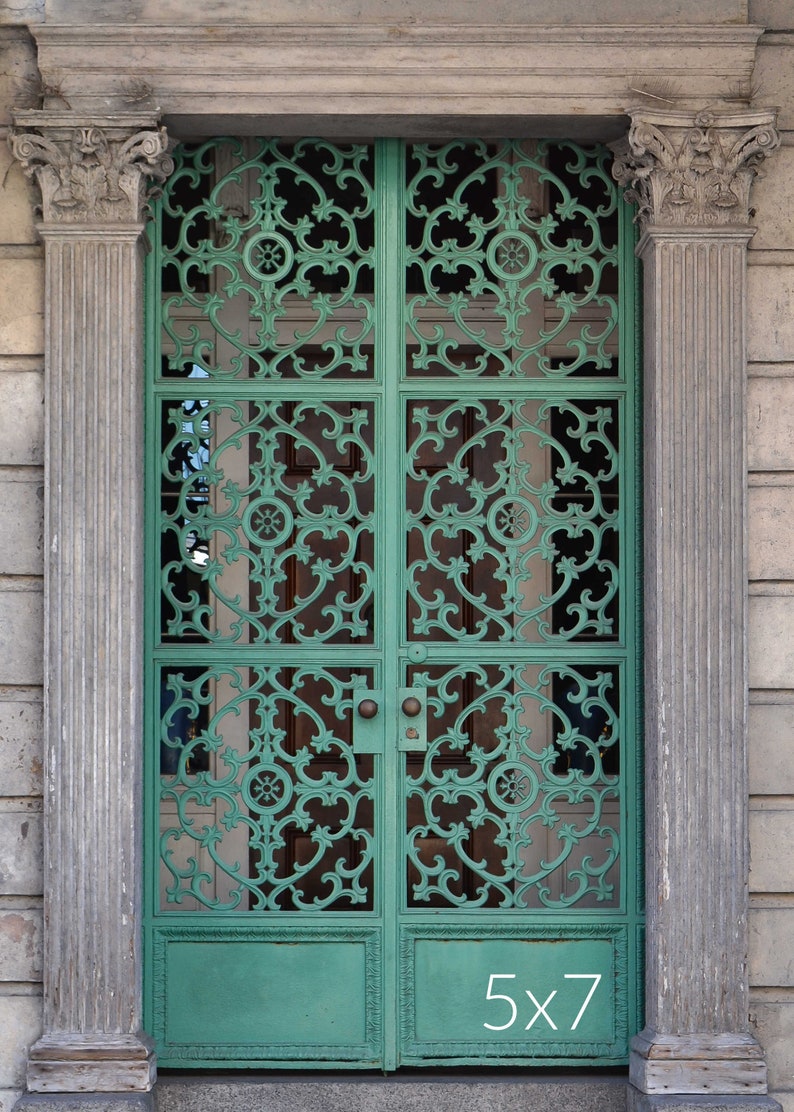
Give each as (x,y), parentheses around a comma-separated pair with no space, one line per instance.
(692,169)
(91,169)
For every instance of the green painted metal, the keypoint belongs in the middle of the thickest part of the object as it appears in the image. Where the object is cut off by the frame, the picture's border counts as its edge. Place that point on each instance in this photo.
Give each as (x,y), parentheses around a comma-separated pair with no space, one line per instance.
(393,757)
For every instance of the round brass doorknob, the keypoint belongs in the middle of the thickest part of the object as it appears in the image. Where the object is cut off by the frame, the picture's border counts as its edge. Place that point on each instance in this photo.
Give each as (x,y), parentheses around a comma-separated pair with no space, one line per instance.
(411,706)
(367,708)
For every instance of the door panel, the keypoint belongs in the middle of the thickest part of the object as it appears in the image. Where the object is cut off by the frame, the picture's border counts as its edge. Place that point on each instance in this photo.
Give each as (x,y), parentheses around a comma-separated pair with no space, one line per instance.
(393,754)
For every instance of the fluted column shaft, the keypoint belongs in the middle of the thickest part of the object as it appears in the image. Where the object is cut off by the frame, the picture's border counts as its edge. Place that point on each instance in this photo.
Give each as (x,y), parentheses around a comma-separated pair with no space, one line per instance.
(691,174)
(695,655)
(91,181)
(93,634)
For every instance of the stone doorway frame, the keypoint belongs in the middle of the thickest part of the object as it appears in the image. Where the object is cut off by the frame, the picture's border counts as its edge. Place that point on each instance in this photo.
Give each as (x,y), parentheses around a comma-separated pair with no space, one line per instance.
(691,165)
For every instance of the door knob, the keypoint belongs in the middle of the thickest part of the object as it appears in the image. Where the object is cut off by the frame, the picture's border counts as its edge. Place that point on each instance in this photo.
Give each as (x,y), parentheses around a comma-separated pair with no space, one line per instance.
(411,706)
(367,708)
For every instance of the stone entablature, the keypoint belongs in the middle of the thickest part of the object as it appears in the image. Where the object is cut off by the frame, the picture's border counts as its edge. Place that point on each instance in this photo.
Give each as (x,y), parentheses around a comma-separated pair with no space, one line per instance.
(394,77)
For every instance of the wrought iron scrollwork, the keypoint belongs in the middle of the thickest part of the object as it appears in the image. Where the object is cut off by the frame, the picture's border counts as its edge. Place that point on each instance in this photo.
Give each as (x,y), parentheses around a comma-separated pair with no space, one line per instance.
(278,498)
(508,252)
(268,249)
(512,520)
(281,817)
(516,803)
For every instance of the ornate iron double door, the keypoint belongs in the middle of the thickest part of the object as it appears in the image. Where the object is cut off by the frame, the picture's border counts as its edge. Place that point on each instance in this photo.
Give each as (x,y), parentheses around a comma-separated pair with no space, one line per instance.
(392,809)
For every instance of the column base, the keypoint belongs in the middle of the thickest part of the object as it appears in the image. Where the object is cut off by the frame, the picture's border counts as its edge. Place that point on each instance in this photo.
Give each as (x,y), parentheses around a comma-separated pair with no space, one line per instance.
(682,1102)
(85,1102)
(697,1065)
(94,1063)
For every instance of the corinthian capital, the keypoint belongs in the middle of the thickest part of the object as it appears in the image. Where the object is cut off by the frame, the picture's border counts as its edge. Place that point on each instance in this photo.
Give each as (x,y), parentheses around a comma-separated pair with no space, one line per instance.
(91,170)
(693,168)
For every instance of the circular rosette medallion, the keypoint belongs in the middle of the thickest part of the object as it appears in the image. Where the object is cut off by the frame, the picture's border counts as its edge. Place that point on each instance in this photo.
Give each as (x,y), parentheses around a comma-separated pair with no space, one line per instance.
(513,786)
(268,256)
(267,789)
(512,256)
(512,520)
(268,521)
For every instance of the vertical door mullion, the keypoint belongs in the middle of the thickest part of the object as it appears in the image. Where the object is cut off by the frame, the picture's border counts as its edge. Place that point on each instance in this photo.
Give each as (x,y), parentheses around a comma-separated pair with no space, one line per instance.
(389,313)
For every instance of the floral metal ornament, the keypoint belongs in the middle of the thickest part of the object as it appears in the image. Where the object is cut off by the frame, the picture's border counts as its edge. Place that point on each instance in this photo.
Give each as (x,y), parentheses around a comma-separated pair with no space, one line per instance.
(686,169)
(87,173)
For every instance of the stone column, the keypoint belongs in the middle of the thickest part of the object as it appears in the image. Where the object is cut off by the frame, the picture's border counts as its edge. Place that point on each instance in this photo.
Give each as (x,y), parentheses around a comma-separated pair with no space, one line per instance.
(92,174)
(691,173)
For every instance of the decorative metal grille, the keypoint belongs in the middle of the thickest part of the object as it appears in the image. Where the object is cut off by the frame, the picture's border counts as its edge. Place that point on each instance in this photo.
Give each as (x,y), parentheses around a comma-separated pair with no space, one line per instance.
(493,231)
(266,807)
(270,506)
(515,803)
(393,625)
(512,520)
(268,252)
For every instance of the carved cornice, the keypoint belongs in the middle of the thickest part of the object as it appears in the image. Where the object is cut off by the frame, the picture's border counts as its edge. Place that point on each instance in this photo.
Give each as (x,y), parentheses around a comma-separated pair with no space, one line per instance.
(693,168)
(91,169)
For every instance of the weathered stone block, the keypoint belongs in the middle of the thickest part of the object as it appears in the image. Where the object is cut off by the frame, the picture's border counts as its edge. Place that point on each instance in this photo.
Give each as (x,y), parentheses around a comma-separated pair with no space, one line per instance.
(774,74)
(392,13)
(20,853)
(773,1023)
(17,201)
(771,641)
(18,75)
(22,307)
(21,11)
(771,532)
(21,418)
(20,744)
(773,201)
(771,946)
(770,313)
(20,1026)
(784,1099)
(771,749)
(776,15)
(21,633)
(21,521)
(770,406)
(771,862)
(20,945)
(8,1098)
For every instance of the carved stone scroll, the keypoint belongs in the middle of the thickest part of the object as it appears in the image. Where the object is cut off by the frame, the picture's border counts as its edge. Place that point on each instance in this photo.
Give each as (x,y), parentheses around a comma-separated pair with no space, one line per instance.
(693,169)
(91,173)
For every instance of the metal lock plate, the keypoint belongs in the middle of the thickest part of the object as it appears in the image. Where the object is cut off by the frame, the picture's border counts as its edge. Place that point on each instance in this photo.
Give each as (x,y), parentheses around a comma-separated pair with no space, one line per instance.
(412,719)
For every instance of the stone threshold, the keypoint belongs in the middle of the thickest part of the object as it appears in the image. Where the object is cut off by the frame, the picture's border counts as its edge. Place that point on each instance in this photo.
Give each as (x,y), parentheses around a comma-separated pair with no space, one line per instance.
(405,1092)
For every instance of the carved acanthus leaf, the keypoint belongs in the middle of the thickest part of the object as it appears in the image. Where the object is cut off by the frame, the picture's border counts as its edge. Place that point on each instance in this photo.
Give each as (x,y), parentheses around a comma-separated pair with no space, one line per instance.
(91,174)
(693,168)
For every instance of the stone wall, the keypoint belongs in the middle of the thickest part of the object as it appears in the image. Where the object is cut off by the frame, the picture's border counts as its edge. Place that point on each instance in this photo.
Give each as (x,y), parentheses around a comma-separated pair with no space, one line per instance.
(21,526)
(770,403)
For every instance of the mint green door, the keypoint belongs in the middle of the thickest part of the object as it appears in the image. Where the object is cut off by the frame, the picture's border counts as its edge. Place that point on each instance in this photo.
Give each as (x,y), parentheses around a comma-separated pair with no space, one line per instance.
(393,754)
